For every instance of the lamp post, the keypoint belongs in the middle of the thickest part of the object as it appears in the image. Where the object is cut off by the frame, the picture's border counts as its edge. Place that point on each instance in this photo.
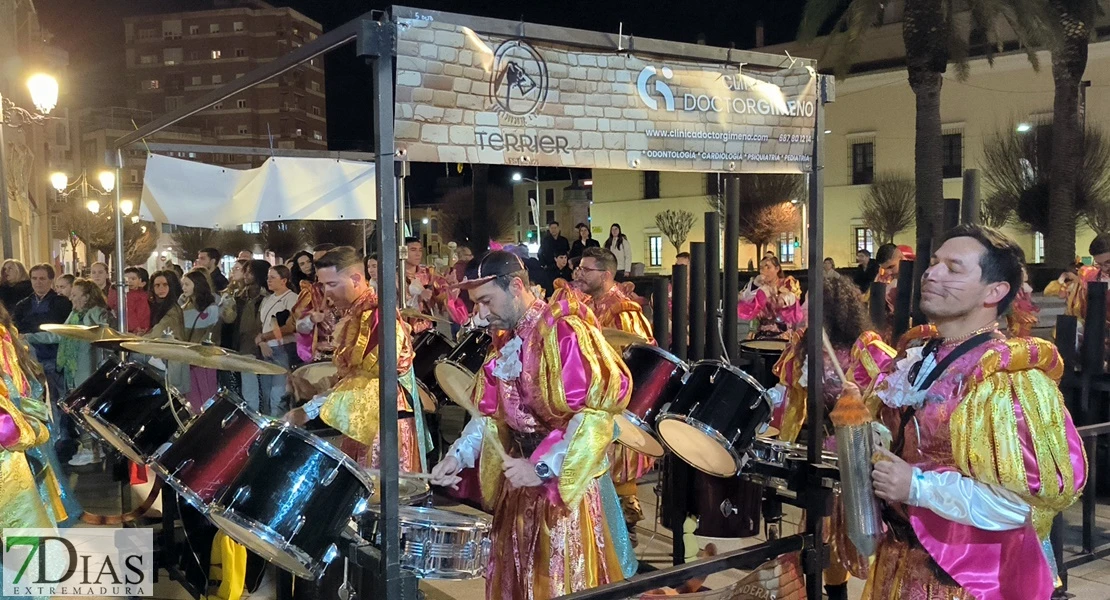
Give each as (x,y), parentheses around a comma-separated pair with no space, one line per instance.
(88,192)
(533,205)
(44,94)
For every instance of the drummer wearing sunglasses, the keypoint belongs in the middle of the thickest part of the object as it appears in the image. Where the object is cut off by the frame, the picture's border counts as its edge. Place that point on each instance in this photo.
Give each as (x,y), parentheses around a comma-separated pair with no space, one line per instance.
(548,392)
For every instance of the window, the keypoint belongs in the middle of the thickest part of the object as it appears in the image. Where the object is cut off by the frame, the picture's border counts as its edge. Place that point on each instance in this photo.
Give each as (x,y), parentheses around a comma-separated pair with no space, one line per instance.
(549,197)
(237,26)
(173,102)
(194,30)
(171,30)
(550,216)
(148,59)
(240,52)
(214,28)
(196,80)
(787,243)
(316,110)
(1038,247)
(316,135)
(194,55)
(218,131)
(651,184)
(173,56)
(238,75)
(314,86)
(531,219)
(240,103)
(865,239)
(254,227)
(243,130)
(134,175)
(952,149)
(218,106)
(150,84)
(217,79)
(712,184)
(863,163)
(54,223)
(655,250)
(216,54)
(147,34)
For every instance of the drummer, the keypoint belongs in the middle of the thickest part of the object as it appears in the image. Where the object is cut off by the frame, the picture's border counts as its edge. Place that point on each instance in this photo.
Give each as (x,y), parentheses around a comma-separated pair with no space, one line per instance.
(613,308)
(314,317)
(772,301)
(550,506)
(428,292)
(351,404)
(863,356)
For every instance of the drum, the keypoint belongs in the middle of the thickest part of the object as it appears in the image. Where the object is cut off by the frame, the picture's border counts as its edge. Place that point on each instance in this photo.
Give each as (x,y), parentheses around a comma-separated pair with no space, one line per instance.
(292,500)
(90,390)
(715,418)
(437,544)
(656,378)
(763,355)
(136,414)
(429,346)
(410,490)
(320,374)
(470,351)
(725,507)
(204,458)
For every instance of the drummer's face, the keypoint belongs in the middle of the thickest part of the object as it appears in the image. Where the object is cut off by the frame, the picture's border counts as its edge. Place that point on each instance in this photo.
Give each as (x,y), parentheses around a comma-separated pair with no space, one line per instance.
(341,288)
(498,306)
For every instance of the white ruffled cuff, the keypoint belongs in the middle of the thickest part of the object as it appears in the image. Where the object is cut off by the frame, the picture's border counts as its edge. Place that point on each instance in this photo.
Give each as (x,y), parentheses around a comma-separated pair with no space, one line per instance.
(965,500)
(468,447)
(312,407)
(777,395)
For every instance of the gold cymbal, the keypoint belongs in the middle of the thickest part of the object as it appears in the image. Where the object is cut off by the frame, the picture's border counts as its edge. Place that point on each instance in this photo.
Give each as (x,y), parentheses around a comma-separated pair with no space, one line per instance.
(619,339)
(202,355)
(412,313)
(87,333)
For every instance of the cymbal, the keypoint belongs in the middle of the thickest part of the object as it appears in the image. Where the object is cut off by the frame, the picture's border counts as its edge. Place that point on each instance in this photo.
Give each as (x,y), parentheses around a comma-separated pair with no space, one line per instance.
(87,333)
(412,313)
(202,355)
(619,339)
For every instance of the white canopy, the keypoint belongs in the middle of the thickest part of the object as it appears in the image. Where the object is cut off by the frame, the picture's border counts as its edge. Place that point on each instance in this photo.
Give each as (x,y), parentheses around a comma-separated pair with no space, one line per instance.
(193,194)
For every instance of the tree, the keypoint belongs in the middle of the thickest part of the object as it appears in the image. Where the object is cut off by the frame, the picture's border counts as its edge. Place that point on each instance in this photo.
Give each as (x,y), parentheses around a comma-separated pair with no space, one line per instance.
(765,208)
(933,37)
(676,225)
(889,205)
(138,249)
(456,214)
(189,241)
(232,241)
(1018,168)
(98,232)
(996,211)
(284,238)
(763,225)
(340,233)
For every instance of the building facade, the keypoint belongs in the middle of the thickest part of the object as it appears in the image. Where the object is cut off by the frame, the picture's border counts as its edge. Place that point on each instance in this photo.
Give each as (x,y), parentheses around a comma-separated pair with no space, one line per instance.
(565,201)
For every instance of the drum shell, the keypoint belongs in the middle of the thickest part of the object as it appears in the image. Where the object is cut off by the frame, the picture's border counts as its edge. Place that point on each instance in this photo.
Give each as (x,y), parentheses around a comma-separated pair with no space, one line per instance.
(428,347)
(294,490)
(656,380)
(706,497)
(136,414)
(763,359)
(90,389)
(471,350)
(211,452)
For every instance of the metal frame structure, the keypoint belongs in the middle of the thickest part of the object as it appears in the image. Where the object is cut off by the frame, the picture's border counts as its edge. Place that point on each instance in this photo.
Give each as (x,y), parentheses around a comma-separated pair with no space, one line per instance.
(375,34)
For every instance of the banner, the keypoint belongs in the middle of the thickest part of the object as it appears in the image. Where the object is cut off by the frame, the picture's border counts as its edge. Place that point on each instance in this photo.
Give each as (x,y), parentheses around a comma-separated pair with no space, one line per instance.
(467,97)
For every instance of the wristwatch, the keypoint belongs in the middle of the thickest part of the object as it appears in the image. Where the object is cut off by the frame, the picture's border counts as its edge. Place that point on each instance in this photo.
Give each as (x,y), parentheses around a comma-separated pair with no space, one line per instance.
(544,472)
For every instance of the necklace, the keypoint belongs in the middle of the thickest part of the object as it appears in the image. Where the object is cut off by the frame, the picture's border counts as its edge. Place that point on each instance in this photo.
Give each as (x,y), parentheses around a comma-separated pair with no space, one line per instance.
(949,342)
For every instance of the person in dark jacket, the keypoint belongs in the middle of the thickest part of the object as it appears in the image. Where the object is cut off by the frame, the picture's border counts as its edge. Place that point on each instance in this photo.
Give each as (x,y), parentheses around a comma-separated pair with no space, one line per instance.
(14,284)
(585,240)
(209,259)
(552,245)
(867,272)
(43,306)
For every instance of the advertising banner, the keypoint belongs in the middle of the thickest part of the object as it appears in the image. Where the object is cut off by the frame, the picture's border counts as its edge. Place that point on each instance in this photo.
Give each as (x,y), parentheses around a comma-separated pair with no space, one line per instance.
(467,97)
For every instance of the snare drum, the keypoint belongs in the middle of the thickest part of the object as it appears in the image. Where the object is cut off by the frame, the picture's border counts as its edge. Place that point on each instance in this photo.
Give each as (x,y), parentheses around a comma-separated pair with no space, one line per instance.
(90,390)
(763,354)
(136,414)
(293,500)
(204,458)
(656,378)
(715,418)
(320,374)
(437,544)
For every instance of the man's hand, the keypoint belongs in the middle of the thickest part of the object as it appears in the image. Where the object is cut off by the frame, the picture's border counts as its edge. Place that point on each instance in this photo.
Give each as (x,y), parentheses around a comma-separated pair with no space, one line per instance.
(445,474)
(317,317)
(297,417)
(258,340)
(521,473)
(426,295)
(267,351)
(892,477)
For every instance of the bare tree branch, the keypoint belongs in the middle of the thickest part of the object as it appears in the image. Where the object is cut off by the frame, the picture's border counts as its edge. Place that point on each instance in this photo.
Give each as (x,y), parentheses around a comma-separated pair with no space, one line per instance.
(676,225)
(888,207)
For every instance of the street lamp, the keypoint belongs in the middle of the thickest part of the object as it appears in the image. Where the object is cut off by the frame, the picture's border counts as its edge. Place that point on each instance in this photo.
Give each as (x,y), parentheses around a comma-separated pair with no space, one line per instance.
(59,181)
(107,180)
(533,204)
(44,94)
(126,206)
(93,206)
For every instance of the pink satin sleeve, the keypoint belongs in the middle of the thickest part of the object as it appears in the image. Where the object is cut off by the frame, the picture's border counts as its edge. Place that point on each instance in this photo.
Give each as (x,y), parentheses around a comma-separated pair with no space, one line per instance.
(457,309)
(576,371)
(487,404)
(9,432)
(750,309)
(883,363)
(793,314)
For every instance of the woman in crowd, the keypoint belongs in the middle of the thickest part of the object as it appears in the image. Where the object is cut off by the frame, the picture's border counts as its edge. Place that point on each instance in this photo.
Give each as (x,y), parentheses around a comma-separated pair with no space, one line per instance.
(619,246)
(585,240)
(15,283)
(137,299)
(98,272)
(229,309)
(771,301)
(302,270)
(276,340)
(169,321)
(63,284)
(372,271)
(1023,312)
(201,318)
(77,359)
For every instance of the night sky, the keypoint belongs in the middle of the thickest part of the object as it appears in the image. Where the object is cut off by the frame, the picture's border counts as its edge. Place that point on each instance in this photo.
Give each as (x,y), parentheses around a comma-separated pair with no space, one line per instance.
(92,32)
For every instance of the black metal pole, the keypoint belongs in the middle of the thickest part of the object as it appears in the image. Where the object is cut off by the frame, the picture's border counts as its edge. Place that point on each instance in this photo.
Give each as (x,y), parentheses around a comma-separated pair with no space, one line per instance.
(877,305)
(713,344)
(969,204)
(919,266)
(680,310)
(660,320)
(816,558)
(697,301)
(1094,345)
(379,40)
(904,294)
(1067,327)
(731,294)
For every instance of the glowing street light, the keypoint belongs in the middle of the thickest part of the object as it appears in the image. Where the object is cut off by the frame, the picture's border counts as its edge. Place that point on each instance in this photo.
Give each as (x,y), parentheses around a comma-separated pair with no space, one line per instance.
(93,206)
(1024,128)
(44,92)
(59,181)
(126,206)
(424,220)
(107,180)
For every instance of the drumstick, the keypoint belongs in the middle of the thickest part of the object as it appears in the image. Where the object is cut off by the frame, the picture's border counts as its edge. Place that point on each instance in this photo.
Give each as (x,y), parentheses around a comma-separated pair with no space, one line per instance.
(832,354)
(474,414)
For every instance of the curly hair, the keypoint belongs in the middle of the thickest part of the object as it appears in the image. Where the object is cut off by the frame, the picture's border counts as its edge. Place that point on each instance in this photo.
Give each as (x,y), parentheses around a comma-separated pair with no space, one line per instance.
(845,312)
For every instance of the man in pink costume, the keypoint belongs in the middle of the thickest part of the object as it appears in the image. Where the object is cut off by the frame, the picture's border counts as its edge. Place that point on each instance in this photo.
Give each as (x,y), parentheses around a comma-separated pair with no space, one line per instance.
(984,453)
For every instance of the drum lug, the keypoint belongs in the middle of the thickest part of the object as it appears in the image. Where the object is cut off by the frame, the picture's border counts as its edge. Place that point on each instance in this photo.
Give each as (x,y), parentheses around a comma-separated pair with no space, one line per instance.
(361,507)
(207,404)
(686,377)
(184,466)
(300,523)
(242,493)
(331,554)
(728,509)
(228,420)
(330,477)
(272,447)
(161,450)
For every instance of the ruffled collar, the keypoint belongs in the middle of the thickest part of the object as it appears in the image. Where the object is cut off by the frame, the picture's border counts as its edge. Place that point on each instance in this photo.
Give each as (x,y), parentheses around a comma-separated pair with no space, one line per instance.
(898,391)
(508,365)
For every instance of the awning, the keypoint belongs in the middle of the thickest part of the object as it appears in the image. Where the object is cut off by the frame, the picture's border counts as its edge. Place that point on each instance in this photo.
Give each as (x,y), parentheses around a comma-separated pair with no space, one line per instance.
(194,194)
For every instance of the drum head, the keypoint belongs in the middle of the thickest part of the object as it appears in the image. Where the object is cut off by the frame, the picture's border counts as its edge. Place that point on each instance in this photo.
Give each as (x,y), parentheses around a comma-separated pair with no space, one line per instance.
(456,382)
(316,373)
(267,544)
(411,490)
(693,444)
(771,346)
(637,439)
(427,398)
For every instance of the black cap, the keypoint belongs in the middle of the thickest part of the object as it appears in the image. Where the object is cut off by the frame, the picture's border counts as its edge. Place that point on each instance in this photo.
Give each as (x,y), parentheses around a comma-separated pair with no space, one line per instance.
(490,266)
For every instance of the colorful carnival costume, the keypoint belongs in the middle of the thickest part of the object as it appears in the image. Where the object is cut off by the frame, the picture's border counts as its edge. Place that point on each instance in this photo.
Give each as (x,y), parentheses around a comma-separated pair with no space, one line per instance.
(773,309)
(352,405)
(1023,313)
(441,301)
(864,362)
(20,502)
(995,455)
(550,390)
(314,340)
(617,310)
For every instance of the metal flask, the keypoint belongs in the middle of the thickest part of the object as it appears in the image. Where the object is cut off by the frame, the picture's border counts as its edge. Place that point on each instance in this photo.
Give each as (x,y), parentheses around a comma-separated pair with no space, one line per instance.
(854,446)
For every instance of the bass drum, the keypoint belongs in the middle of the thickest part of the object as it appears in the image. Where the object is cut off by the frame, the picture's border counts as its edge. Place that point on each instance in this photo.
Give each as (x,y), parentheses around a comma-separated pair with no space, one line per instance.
(90,389)
(137,413)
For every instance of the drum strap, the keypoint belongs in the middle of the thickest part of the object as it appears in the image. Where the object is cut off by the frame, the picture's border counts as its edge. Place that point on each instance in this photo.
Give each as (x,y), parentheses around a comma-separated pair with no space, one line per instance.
(930,378)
